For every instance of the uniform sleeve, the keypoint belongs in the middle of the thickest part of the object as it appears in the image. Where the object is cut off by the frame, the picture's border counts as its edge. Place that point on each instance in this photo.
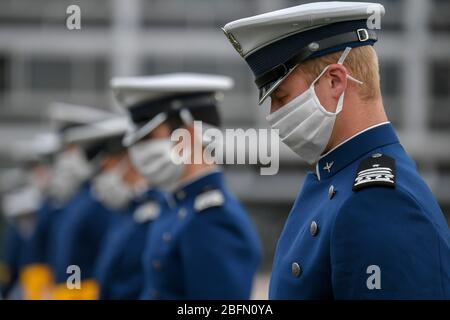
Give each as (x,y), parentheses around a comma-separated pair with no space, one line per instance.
(37,251)
(217,262)
(11,257)
(383,246)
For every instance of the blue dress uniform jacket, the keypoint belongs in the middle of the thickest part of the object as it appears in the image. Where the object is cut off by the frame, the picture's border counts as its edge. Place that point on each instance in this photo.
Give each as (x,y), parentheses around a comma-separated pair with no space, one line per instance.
(36,274)
(39,245)
(207,248)
(120,271)
(51,224)
(80,231)
(364,226)
(14,248)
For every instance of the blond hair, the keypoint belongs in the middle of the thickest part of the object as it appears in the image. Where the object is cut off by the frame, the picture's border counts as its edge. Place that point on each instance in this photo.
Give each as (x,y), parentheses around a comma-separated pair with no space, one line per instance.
(361,63)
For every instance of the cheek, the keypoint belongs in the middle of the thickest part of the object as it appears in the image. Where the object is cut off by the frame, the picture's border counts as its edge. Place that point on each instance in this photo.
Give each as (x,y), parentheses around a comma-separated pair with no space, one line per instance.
(129,175)
(326,100)
(160,132)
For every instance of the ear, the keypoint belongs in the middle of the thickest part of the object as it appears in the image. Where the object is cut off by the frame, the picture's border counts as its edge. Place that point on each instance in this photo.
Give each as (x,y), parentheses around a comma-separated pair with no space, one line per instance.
(331,86)
(338,80)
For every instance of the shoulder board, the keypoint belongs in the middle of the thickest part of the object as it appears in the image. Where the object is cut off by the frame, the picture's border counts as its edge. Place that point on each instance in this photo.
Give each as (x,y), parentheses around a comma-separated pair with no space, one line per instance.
(376,170)
(208,199)
(147,212)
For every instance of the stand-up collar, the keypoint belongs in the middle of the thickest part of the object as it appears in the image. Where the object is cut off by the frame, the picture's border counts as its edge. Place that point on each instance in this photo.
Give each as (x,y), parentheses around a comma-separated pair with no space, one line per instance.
(151,194)
(352,149)
(211,180)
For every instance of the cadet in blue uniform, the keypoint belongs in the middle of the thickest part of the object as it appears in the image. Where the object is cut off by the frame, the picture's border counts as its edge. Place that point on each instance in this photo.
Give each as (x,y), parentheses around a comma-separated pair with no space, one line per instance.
(33,154)
(364,225)
(12,262)
(79,227)
(79,231)
(19,206)
(206,247)
(35,275)
(119,270)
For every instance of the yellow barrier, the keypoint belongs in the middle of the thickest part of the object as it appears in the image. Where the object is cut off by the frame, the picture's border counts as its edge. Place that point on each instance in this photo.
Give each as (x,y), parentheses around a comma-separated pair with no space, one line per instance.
(37,282)
(89,290)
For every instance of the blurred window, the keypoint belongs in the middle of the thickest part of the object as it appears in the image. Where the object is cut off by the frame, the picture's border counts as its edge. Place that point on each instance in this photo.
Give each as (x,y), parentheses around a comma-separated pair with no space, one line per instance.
(53,12)
(195,13)
(390,73)
(91,74)
(235,69)
(439,89)
(440,78)
(4,74)
(47,73)
(63,74)
(439,18)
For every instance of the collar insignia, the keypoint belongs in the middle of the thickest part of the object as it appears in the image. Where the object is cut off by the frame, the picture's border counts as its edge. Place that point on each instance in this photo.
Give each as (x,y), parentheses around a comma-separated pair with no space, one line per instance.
(328,166)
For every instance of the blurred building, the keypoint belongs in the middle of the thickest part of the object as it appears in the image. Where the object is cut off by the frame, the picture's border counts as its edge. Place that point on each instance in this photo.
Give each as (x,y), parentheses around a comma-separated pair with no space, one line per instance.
(42,61)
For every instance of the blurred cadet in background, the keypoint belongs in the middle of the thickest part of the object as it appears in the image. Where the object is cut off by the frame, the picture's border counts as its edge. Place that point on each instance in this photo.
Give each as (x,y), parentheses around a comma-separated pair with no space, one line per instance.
(80,221)
(19,205)
(365,225)
(36,277)
(119,269)
(206,247)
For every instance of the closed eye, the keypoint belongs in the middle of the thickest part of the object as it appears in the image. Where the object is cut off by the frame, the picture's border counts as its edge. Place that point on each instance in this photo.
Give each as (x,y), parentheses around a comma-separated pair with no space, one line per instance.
(279,99)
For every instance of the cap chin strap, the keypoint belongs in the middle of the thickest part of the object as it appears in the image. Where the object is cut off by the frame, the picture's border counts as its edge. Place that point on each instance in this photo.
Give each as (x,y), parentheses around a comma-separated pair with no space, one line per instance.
(133,137)
(277,74)
(277,83)
(279,71)
(264,94)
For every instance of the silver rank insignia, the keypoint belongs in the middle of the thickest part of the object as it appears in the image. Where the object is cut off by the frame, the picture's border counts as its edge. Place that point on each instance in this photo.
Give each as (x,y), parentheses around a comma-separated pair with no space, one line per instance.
(146,212)
(377,170)
(208,199)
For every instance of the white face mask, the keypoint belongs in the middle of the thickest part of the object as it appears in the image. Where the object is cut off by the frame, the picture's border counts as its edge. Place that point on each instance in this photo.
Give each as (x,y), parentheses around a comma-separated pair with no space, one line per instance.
(304,124)
(109,188)
(70,171)
(154,161)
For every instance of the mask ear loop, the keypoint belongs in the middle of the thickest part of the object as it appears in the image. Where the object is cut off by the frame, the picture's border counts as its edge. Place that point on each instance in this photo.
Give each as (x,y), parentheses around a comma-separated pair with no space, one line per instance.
(340,61)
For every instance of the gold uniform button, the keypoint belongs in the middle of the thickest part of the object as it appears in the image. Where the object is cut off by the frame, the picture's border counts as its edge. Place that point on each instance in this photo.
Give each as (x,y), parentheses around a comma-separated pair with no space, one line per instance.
(313,228)
(296,270)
